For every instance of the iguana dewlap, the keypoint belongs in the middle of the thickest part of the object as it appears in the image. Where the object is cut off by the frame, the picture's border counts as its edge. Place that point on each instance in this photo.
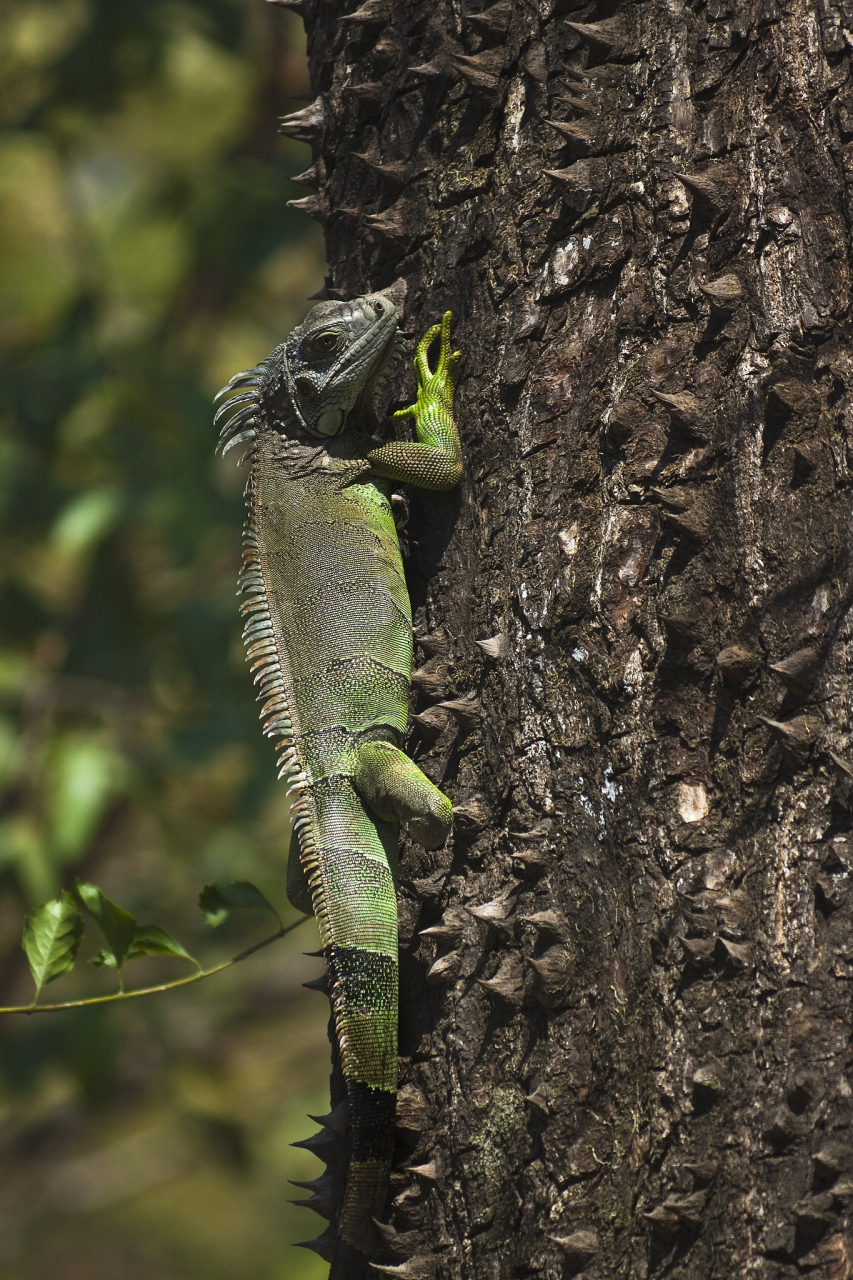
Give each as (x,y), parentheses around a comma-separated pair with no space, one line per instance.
(329,636)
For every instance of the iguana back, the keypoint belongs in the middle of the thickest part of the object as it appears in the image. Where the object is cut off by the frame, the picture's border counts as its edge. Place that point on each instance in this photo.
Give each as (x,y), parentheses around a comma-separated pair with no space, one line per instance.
(328,630)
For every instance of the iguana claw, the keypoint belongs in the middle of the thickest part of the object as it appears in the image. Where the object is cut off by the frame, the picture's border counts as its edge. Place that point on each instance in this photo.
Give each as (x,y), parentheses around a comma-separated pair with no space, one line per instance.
(434,388)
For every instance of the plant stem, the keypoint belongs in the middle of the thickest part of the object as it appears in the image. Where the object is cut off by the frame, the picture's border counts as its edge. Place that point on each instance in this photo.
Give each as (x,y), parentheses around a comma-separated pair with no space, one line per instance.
(163,986)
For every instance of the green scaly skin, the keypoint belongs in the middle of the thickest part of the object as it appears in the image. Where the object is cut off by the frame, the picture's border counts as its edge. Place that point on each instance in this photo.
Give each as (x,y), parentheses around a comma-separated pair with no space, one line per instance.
(329,633)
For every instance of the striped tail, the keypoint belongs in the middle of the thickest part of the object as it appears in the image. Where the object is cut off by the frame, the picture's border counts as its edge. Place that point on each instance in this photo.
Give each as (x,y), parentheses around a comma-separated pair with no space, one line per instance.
(354,899)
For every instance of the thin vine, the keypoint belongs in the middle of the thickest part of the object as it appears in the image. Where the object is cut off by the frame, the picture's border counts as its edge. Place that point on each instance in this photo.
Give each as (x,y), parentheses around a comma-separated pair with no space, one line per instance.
(163,986)
(52,936)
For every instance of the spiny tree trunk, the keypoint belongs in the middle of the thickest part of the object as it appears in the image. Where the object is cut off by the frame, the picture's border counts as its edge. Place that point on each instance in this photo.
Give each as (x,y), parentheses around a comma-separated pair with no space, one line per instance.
(624,1051)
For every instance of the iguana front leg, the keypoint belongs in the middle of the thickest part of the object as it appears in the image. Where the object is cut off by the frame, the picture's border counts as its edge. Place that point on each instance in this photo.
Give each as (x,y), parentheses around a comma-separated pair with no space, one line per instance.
(435,461)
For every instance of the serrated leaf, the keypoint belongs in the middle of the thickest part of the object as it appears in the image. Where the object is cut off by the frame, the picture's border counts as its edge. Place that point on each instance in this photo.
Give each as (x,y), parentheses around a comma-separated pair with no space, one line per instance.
(117,925)
(52,938)
(151,940)
(217,900)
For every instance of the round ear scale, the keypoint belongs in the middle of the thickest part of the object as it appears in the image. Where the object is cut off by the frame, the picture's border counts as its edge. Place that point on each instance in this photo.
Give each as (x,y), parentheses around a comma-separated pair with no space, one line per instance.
(330,422)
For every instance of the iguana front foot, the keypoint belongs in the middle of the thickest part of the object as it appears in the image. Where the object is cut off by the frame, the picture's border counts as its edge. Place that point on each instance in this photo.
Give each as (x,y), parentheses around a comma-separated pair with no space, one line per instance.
(434,460)
(434,389)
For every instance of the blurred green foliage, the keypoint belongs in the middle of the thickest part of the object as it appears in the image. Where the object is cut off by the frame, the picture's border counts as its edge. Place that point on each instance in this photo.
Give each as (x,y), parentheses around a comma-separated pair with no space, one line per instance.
(146,254)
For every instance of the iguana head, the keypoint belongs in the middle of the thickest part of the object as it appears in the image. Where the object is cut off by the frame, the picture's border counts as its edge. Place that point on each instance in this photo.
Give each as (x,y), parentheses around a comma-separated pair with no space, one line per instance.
(332,363)
(330,366)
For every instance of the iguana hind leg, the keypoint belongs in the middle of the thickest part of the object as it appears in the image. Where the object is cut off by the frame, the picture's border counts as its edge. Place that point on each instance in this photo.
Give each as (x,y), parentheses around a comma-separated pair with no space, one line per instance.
(397,791)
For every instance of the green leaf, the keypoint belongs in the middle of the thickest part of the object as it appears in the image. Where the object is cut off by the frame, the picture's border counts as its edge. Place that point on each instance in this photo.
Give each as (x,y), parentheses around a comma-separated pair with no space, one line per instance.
(151,940)
(117,925)
(103,959)
(217,900)
(51,939)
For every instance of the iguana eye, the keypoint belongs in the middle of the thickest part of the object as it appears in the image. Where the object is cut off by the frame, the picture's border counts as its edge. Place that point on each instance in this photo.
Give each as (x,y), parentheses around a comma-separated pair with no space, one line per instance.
(326,341)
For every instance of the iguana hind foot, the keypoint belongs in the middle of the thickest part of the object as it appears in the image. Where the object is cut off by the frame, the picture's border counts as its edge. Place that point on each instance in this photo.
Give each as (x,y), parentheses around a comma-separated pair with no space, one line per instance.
(398,791)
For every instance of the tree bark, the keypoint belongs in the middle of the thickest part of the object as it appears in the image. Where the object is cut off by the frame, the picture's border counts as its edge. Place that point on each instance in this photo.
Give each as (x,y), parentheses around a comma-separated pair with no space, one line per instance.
(625,1053)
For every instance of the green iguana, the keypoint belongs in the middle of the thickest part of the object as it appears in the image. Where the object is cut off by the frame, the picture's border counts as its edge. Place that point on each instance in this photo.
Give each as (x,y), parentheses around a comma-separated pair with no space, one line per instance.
(329,636)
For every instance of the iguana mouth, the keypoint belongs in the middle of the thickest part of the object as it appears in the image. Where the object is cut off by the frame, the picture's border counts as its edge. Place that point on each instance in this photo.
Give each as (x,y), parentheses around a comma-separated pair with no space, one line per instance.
(365,409)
